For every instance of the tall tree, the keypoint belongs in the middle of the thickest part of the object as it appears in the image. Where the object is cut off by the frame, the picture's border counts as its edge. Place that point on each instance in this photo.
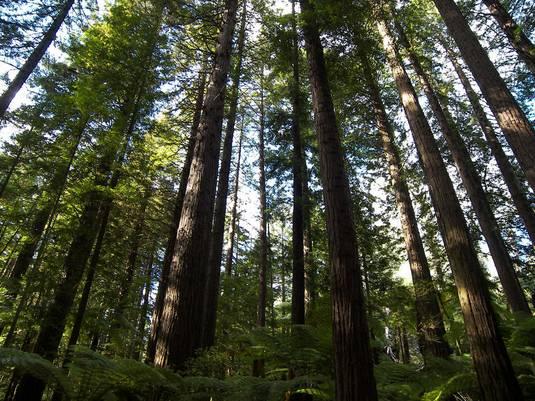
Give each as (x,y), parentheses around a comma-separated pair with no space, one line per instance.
(229,261)
(472,183)
(491,361)
(53,324)
(518,39)
(258,364)
(508,173)
(218,226)
(177,212)
(33,60)
(430,324)
(42,216)
(354,382)
(298,257)
(180,326)
(511,119)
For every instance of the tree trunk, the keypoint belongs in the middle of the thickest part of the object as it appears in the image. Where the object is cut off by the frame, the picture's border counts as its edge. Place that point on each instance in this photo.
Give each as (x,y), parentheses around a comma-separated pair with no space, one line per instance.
(403,341)
(258,365)
(493,367)
(353,381)
(53,323)
(218,227)
(298,257)
(180,326)
(11,170)
(310,270)
(514,124)
(472,183)
(234,214)
(38,225)
(131,265)
(34,59)
(144,308)
(515,34)
(429,322)
(518,196)
(177,212)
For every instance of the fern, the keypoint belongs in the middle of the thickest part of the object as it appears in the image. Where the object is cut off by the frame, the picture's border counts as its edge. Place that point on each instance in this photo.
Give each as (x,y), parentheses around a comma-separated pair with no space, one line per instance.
(35,365)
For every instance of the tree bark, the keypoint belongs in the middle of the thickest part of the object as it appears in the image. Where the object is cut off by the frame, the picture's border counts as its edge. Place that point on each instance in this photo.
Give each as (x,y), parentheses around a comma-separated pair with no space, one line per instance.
(518,39)
(429,322)
(218,226)
(518,196)
(180,326)
(33,60)
(472,183)
(177,212)
(234,214)
(144,308)
(513,122)
(353,382)
(298,256)
(492,364)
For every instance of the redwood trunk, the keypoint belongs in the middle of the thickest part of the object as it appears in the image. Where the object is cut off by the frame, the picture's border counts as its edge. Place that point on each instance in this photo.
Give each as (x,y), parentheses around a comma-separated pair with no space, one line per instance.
(234,214)
(518,196)
(472,183)
(515,34)
(492,364)
(429,322)
(514,124)
(218,227)
(298,256)
(34,59)
(180,326)
(144,309)
(353,381)
(171,239)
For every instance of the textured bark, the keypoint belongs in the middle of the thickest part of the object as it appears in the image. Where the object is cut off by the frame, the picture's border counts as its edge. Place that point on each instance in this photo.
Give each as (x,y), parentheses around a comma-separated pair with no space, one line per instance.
(33,60)
(492,364)
(429,322)
(218,226)
(180,326)
(472,183)
(177,212)
(54,320)
(234,213)
(518,196)
(353,381)
(298,256)
(514,124)
(515,34)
